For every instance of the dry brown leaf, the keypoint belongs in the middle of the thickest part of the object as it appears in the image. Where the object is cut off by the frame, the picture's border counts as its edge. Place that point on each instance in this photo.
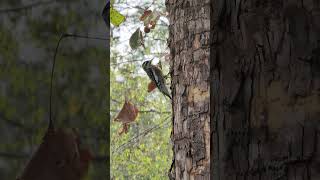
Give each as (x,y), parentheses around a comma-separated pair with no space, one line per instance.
(124,128)
(85,158)
(59,157)
(146,29)
(145,15)
(128,113)
(151,86)
(152,24)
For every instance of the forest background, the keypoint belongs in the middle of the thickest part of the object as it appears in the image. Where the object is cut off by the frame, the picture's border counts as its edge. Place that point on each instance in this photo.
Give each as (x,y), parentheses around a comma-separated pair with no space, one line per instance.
(29,32)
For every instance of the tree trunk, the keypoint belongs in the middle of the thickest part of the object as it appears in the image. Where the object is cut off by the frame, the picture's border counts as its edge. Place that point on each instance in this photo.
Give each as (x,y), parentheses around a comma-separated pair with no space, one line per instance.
(265,82)
(255,101)
(189,46)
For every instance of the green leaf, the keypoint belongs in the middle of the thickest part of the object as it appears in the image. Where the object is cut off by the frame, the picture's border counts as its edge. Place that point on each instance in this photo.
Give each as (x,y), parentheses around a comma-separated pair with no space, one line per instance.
(116,18)
(136,39)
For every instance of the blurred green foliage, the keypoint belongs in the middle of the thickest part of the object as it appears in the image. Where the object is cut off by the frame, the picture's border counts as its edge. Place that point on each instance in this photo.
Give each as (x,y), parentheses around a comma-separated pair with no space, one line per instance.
(27,42)
(145,151)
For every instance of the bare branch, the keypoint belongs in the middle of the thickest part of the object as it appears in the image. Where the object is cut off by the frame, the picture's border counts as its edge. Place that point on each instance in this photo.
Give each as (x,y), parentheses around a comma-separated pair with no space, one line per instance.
(146,111)
(16,124)
(144,133)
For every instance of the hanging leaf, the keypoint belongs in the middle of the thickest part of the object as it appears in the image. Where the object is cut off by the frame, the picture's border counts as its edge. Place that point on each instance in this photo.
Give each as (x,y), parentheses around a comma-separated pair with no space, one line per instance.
(124,128)
(145,15)
(136,39)
(85,158)
(106,13)
(146,29)
(152,24)
(115,17)
(85,155)
(152,18)
(59,157)
(151,86)
(128,113)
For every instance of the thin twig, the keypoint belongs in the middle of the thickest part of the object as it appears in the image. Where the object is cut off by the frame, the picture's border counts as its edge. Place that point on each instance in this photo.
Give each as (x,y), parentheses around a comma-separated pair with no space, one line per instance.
(144,133)
(16,124)
(53,65)
(147,111)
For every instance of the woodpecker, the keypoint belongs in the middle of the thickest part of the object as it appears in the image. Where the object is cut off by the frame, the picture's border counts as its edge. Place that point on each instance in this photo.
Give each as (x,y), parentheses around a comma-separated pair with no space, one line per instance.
(155,74)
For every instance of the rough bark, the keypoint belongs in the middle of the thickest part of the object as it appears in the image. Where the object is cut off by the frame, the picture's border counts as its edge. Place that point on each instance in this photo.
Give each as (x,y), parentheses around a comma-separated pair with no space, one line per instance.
(189,45)
(265,82)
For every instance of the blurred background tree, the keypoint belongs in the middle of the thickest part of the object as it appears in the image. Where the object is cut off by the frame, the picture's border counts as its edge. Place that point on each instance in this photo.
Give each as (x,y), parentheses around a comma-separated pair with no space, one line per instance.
(145,151)
(29,32)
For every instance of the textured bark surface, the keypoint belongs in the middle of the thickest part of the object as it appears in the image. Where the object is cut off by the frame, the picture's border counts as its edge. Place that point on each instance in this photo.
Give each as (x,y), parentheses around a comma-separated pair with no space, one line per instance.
(265,82)
(189,46)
